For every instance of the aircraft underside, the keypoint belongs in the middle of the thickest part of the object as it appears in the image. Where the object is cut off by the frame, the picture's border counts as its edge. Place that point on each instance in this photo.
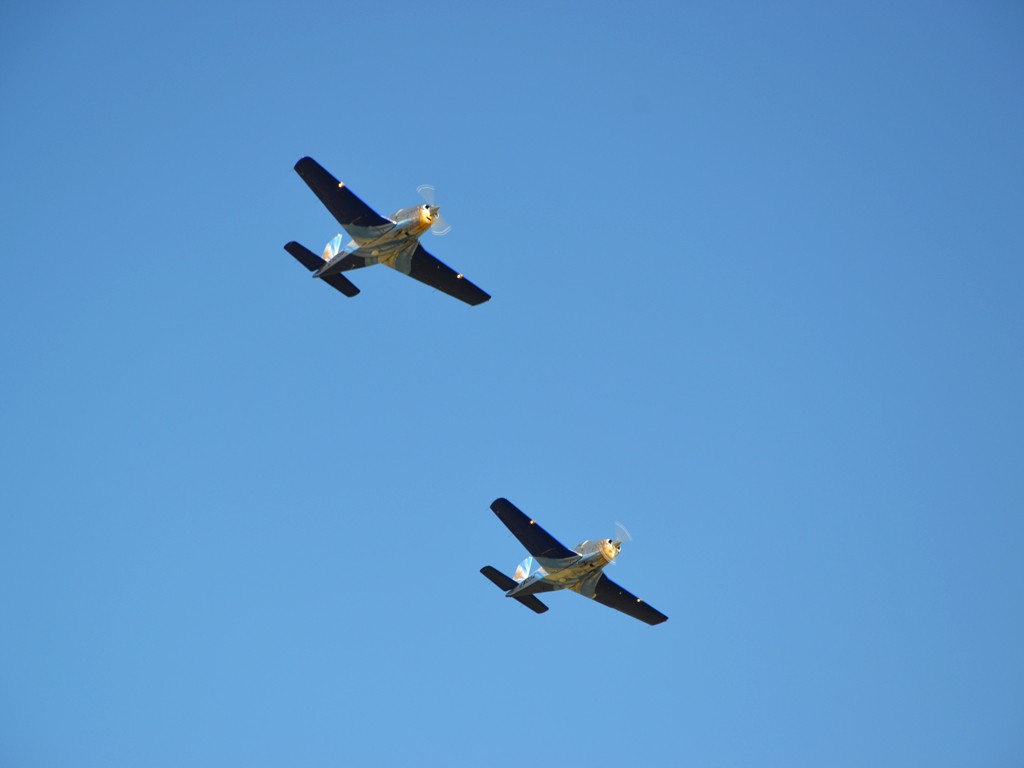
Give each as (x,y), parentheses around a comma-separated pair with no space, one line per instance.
(579,570)
(393,241)
(579,577)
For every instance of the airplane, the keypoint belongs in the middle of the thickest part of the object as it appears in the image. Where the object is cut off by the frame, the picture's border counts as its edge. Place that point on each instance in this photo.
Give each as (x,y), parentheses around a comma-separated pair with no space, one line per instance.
(392,241)
(552,566)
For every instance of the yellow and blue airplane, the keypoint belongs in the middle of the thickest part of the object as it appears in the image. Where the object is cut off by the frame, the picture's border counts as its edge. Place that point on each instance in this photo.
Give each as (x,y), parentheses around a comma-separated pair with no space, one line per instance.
(552,566)
(393,242)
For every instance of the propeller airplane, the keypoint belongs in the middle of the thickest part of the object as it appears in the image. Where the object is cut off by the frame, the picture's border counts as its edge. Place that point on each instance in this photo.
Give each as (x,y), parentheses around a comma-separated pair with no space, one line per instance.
(552,566)
(393,242)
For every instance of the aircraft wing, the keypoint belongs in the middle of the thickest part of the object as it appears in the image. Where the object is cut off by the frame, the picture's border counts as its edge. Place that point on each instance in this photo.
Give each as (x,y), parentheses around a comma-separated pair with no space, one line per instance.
(341,201)
(537,541)
(611,594)
(436,274)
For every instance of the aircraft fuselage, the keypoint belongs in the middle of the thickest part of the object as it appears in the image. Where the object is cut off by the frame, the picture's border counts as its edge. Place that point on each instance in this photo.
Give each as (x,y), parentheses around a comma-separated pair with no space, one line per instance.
(391,243)
(571,572)
(407,224)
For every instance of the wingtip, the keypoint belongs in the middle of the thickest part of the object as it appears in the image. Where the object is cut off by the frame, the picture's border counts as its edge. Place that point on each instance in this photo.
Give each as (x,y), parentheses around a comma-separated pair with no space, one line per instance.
(306,165)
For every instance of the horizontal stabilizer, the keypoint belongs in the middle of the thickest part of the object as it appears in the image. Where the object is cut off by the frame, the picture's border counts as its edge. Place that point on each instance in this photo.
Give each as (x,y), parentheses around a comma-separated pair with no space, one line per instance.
(304,256)
(504,583)
(532,603)
(312,262)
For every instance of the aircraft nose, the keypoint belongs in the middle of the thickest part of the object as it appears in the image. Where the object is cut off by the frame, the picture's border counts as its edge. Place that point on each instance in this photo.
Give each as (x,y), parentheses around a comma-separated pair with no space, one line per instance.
(610,551)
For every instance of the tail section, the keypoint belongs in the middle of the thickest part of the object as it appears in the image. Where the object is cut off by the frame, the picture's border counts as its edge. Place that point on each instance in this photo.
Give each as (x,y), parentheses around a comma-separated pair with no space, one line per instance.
(336,246)
(504,583)
(526,569)
(333,247)
(312,262)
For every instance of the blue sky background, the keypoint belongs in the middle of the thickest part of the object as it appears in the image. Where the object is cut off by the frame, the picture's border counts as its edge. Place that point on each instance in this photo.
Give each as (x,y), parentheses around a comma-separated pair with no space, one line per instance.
(757,278)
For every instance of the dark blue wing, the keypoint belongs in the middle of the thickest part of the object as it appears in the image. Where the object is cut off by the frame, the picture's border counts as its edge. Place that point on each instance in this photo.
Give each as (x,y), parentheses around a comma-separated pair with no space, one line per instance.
(537,541)
(607,592)
(435,273)
(342,202)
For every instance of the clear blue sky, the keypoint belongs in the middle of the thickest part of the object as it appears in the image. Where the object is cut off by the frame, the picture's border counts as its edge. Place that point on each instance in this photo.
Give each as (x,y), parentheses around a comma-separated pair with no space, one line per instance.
(757,278)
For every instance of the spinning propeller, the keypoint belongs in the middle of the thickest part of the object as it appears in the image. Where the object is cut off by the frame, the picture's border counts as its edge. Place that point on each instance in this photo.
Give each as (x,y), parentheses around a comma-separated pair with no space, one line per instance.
(621,536)
(439,225)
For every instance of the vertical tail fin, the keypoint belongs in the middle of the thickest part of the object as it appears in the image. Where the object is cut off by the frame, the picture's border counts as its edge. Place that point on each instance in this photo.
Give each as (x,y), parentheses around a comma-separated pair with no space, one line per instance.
(333,247)
(523,570)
